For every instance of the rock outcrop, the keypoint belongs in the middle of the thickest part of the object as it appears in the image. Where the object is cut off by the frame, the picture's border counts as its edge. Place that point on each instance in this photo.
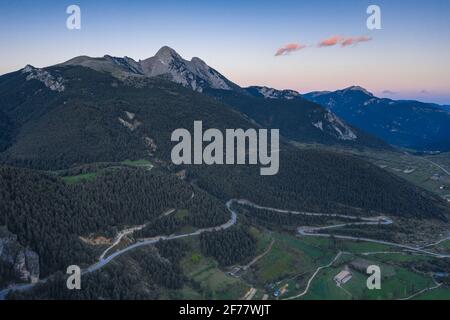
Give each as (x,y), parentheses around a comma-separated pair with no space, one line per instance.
(23,261)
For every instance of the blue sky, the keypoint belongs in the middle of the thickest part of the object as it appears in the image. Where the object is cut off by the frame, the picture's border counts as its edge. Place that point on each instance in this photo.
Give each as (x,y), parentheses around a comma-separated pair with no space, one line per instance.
(409,57)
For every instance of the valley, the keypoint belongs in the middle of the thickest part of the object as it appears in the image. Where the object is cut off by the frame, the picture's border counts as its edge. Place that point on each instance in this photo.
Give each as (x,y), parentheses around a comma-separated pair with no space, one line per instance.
(349,244)
(87,178)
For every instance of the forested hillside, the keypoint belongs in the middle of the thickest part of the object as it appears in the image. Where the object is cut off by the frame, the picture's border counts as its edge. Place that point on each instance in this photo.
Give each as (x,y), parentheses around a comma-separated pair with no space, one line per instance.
(89,116)
(319,181)
(82,124)
(153,271)
(228,247)
(6,131)
(298,119)
(50,216)
(98,121)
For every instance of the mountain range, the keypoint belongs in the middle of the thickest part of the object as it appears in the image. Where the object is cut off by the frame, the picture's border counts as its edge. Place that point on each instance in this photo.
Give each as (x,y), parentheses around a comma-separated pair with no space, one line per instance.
(103,110)
(298,119)
(68,130)
(404,123)
(352,116)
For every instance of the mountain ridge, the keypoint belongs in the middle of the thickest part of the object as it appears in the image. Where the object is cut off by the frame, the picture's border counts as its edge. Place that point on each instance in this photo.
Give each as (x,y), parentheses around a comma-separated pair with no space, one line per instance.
(403,123)
(195,73)
(309,122)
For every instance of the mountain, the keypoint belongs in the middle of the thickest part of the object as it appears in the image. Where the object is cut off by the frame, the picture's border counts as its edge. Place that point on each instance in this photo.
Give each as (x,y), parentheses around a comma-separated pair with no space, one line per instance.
(409,124)
(297,118)
(68,115)
(195,74)
(82,120)
(72,114)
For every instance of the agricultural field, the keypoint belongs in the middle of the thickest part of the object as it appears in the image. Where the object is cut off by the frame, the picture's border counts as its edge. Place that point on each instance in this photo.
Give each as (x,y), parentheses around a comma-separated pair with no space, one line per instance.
(212,282)
(292,261)
(431,172)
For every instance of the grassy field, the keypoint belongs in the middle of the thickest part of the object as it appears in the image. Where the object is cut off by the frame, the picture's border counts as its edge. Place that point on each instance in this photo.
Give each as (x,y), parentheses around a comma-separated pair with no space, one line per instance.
(214,283)
(263,239)
(80,178)
(290,261)
(85,177)
(138,163)
(436,294)
(293,260)
(397,283)
(181,213)
(419,170)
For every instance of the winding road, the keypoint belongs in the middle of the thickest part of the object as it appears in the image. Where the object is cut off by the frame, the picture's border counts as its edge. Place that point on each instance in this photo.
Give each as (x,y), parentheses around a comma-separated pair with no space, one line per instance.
(303,231)
(105,260)
(150,241)
(315,231)
(313,276)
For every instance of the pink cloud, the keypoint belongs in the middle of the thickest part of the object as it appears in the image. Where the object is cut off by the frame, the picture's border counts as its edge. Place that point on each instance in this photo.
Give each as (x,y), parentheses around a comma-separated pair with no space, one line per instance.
(355,40)
(343,41)
(287,49)
(331,41)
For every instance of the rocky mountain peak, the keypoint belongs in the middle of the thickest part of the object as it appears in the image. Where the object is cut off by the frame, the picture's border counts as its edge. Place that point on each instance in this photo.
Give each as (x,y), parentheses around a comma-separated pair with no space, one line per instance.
(358,88)
(168,54)
(194,74)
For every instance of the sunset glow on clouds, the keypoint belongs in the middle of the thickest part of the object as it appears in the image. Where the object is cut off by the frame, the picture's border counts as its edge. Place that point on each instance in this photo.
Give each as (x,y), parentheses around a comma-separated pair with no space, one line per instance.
(329,42)
(343,41)
(354,41)
(291,47)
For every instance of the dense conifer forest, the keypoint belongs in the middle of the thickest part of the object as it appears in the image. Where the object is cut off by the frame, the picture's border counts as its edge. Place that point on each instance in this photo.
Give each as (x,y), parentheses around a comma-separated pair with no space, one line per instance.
(49,216)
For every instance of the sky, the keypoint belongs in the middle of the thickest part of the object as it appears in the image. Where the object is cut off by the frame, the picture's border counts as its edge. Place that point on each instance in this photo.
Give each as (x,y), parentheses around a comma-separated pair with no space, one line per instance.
(321,45)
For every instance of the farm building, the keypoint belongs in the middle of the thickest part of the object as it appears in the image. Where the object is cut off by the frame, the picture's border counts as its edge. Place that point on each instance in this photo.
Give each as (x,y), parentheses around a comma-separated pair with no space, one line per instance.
(342,277)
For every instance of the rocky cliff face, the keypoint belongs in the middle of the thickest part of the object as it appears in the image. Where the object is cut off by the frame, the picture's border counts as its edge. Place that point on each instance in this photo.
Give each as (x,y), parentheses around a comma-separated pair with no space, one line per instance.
(194,74)
(52,82)
(22,262)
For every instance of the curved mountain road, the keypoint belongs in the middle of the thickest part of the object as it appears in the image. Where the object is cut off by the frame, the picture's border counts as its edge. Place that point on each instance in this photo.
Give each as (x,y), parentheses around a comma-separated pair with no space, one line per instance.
(304,231)
(103,261)
(315,231)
